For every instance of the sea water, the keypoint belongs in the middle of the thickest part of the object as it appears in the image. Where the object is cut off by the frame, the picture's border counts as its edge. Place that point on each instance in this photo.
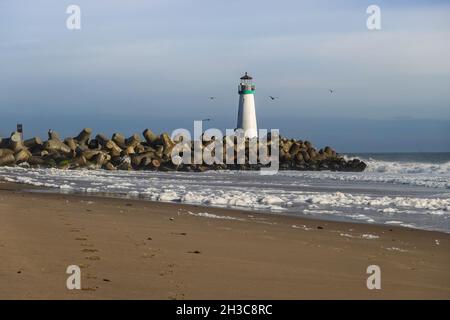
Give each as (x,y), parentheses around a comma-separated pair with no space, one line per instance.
(396,189)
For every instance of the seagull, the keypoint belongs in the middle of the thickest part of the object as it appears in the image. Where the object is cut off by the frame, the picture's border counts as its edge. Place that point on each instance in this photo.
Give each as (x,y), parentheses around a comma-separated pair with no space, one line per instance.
(331,90)
(273,98)
(212,98)
(207,119)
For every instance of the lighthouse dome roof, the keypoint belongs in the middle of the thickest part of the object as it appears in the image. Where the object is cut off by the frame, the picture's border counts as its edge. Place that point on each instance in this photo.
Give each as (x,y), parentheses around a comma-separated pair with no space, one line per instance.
(246,77)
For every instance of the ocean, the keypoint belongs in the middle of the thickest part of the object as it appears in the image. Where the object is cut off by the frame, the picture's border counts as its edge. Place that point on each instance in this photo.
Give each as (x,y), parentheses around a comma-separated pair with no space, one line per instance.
(405,189)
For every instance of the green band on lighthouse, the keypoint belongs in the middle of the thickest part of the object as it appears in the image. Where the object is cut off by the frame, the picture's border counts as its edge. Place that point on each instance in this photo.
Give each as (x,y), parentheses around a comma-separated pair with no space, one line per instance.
(247,92)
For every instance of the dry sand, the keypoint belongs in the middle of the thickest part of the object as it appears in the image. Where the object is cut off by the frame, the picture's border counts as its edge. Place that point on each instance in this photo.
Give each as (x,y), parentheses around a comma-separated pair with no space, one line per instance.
(129,249)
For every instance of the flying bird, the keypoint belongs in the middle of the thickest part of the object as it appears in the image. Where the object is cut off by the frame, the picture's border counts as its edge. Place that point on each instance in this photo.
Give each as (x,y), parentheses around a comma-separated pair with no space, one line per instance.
(273,98)
(331,90)
(212,98)
(207,119)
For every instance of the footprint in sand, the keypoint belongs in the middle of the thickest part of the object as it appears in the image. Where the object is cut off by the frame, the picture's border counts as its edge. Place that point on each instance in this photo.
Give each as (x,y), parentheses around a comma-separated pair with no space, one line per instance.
(145,255)
(179,233)
(176,296)
(90,289)
(166,273)
(93,258)
(81,239)
(169,270)
(89,250)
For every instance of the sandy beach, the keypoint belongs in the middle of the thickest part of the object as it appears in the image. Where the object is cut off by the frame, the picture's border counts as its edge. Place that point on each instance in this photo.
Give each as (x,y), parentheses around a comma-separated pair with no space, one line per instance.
(131,249)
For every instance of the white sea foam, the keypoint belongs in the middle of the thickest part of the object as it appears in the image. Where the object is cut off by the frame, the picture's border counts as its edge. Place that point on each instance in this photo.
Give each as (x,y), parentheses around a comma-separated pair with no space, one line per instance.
(213,216)
(396,249)
(346,235)
(302,226)
(363,236)
(370,236)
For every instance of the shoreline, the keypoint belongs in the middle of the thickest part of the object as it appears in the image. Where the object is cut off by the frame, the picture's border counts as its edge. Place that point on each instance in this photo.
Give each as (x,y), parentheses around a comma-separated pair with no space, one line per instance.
(26,188)
(135,249)
(23,187)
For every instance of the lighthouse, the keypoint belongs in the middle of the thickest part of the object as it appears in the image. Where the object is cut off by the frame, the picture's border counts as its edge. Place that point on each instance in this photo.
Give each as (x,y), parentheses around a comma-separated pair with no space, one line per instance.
(246,112)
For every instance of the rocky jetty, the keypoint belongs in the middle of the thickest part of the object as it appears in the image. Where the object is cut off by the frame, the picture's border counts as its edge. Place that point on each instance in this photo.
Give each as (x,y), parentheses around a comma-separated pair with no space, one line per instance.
(150,151)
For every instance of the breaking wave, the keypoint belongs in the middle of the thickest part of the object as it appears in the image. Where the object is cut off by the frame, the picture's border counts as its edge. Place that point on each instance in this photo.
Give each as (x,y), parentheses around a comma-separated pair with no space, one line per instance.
(407,167)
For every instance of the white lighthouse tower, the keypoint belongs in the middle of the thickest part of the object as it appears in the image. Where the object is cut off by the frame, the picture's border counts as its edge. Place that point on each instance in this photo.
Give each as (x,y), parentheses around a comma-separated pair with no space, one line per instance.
(247,113)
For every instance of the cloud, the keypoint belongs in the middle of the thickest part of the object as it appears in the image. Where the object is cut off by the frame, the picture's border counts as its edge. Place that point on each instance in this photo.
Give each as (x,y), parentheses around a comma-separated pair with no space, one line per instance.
(141,52)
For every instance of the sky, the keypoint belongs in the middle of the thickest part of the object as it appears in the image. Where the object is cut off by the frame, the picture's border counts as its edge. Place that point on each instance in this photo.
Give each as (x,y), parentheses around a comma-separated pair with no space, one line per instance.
(137,64)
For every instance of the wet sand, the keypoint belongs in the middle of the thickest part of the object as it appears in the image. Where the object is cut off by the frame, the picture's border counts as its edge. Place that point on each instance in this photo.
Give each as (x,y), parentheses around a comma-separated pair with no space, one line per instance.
(131,249)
